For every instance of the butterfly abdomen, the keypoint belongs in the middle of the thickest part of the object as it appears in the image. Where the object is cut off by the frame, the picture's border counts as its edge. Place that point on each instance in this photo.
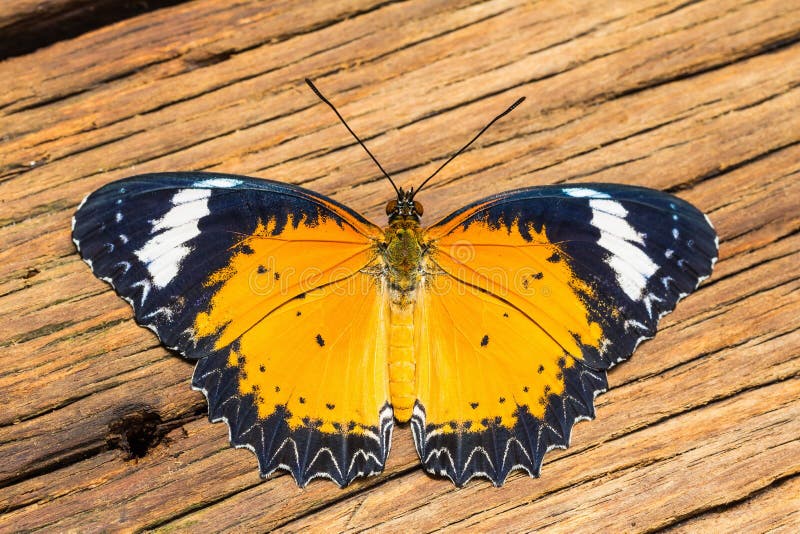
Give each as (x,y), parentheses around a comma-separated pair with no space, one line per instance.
(402,362)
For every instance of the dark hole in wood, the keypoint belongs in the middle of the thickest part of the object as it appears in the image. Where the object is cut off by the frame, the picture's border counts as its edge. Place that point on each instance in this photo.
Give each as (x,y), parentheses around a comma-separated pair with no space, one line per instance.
(136,433)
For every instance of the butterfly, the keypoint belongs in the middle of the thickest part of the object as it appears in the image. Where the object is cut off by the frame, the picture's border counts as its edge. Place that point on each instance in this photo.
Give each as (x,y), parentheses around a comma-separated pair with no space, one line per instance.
(489,332)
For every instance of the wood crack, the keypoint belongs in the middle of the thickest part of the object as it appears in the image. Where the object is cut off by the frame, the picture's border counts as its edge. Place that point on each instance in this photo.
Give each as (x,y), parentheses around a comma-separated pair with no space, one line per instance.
(775,484)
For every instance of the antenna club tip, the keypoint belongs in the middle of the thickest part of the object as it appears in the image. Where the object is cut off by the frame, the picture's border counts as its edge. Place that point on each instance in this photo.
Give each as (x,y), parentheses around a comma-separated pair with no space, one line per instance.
(311,85)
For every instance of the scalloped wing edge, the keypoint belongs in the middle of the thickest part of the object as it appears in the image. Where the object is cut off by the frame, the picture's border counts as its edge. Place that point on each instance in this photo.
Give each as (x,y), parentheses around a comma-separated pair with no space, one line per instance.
(228,409)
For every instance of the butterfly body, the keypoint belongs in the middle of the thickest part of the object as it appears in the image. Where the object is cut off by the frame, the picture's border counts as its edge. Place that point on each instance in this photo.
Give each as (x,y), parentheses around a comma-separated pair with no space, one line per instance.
(402,363)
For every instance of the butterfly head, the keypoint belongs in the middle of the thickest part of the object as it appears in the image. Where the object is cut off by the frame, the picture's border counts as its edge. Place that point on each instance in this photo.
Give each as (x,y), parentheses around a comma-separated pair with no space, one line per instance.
(404,207)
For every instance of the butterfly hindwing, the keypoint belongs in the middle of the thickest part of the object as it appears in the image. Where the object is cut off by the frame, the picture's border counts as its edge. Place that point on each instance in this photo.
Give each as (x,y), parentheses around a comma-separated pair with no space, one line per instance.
(533,295)
(487,376)
(260,281)
(311,391)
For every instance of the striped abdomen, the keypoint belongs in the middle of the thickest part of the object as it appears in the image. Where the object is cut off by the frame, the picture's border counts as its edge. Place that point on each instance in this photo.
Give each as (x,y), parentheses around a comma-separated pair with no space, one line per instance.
(402,363)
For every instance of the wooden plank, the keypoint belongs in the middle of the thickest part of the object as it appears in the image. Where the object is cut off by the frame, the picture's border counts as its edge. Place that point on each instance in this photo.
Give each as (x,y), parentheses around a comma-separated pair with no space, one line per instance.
(615,493)
(695,98)
(230,113)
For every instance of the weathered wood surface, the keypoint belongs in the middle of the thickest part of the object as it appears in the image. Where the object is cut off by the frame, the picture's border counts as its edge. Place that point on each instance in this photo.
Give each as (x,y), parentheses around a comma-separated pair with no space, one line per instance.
(699,431)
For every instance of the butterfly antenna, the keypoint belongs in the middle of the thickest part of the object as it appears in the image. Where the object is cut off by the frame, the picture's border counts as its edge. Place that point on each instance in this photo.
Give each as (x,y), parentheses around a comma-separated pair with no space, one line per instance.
(360,142)
(503,114)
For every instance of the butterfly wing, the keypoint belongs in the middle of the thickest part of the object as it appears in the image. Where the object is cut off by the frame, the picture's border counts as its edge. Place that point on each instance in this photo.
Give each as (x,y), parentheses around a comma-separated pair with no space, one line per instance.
(265,284)
(532,296)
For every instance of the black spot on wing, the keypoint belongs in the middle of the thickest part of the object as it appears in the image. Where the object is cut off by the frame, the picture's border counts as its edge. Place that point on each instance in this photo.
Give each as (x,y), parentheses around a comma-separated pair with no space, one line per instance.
(320,340)
(485,340)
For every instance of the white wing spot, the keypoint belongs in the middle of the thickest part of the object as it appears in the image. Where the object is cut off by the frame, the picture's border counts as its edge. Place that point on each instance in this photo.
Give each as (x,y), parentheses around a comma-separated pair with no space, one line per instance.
(163,253)
(631,264)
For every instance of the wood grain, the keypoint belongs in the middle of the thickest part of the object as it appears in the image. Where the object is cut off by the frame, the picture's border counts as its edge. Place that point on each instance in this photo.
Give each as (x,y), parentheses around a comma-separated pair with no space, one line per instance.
(699,430)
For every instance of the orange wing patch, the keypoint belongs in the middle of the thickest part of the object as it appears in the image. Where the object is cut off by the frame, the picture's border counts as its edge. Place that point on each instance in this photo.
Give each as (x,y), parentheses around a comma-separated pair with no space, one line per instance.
(479,359)
(270,268)
(531,275)
(293,370)
(312,358)
(293,307)
(501,324)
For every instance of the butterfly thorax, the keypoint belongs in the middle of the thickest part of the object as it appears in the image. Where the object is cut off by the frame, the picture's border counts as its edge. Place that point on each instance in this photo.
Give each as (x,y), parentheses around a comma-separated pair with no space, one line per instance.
(403,251)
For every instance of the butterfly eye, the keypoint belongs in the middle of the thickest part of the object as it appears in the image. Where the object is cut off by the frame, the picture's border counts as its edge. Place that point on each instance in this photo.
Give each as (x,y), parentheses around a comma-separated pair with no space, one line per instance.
(391,206)
(418,208)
